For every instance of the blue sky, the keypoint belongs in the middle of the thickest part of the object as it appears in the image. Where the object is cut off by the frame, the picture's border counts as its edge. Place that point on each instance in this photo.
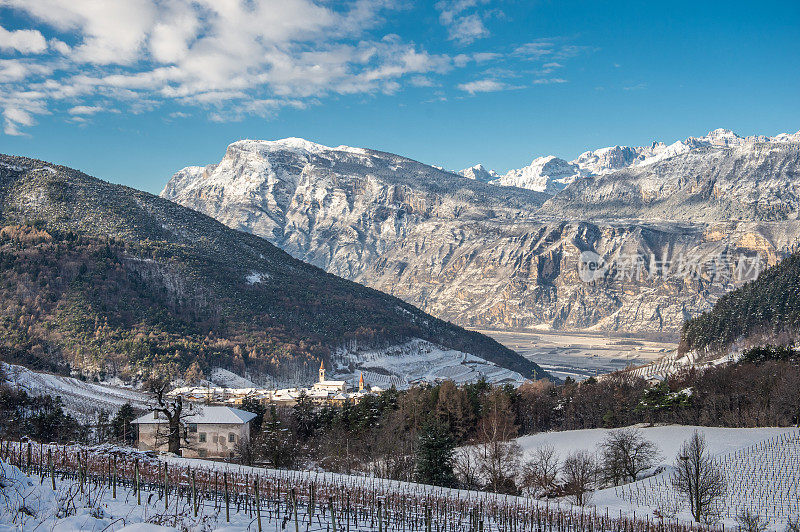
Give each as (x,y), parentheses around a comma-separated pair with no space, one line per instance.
(131,91)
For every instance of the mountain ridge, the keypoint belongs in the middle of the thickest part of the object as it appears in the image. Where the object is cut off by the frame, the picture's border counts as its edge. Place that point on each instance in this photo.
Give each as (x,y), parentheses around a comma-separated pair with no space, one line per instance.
(486,256)
(186,287)
(614,158)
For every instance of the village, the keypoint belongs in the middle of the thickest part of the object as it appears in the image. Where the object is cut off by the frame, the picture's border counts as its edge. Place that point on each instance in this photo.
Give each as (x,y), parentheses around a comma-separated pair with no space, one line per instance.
(323,392)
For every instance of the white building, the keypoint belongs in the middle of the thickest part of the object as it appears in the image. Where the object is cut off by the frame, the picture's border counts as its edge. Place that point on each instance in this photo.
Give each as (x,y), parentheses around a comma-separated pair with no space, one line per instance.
(209,431)
(328,386)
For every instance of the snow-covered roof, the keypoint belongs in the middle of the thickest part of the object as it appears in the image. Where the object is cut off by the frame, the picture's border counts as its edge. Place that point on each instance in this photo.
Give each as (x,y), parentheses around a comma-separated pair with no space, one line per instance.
(204,415)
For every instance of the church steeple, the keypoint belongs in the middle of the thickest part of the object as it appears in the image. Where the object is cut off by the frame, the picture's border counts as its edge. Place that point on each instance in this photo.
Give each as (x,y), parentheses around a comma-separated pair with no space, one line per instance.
(321,371)
(361,383)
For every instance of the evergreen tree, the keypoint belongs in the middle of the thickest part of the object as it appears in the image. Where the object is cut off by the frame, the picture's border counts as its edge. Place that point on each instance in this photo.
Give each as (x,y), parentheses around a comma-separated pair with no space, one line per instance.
(277,444)
(305,418)
(252,405)
(121,427)
(434,456)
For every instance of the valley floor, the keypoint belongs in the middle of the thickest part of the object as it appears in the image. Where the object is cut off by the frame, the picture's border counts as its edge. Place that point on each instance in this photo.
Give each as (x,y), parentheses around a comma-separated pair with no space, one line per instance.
(582,355)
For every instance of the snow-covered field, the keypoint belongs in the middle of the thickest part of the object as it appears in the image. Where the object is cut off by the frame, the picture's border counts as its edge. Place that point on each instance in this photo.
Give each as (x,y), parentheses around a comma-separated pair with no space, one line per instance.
(81,399)
(668,438)
(765,460)
(417,361)
(761,467)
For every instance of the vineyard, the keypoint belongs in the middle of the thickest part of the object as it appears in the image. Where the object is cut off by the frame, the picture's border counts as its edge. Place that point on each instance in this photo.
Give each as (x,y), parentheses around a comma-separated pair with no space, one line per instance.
(763,478)
(262,499)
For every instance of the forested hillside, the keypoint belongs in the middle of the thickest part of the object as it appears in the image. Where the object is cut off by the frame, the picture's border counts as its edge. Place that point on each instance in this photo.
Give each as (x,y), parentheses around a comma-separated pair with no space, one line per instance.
(110,280)
(766,310)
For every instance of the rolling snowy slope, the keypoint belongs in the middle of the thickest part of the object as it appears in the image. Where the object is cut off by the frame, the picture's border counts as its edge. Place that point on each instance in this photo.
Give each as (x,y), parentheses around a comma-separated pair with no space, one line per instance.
(81,399)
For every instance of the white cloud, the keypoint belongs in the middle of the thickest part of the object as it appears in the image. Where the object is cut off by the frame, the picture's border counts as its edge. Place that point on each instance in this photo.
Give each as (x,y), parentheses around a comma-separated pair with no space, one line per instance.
(85,110)
(462,26)
(484,85)
(23,41)
(535,50)
(549,81)
(229,58)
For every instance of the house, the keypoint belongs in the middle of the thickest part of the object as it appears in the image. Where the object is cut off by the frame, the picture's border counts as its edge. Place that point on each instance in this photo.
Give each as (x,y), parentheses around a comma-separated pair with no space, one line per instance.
(209,431)
(328,386)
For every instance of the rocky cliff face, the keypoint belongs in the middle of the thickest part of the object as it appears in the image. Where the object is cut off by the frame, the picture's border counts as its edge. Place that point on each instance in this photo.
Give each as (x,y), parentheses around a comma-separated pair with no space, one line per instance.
(660,241)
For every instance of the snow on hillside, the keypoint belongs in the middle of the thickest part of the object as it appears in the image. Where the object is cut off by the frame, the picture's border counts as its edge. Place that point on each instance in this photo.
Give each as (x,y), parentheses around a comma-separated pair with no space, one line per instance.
(83,400)
(30,503)
(227,379)
(760,466)
(417,361)
(668,438)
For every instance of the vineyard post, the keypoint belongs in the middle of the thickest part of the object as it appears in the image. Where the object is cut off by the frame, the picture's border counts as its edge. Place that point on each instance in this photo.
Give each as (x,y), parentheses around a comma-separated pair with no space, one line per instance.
(258,504)
(166,487)
(28,466)
(114,478)
(333,515)
(194,494)
(51,468)
(380,520)
(227,496)
(294,509)
(80,472)
(138,488)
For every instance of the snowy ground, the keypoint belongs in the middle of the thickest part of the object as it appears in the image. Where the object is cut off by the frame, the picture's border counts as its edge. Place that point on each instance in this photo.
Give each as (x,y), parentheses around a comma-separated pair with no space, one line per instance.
(746,456)
(417,361)
(81,399)
(668,438)
(66,509)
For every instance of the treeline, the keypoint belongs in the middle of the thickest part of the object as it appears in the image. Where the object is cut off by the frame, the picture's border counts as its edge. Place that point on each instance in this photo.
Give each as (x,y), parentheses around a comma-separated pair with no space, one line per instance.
(413,434)
(764,310)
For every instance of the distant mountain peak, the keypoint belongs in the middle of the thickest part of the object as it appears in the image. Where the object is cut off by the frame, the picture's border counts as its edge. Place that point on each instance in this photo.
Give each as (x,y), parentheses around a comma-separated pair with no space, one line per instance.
(478,173)
(293,144)
(549,173)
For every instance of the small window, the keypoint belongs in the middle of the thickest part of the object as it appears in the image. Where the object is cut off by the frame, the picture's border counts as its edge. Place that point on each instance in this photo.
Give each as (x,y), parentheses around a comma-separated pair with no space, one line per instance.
(192,427)
(202,437)
(201,453)
(231,437)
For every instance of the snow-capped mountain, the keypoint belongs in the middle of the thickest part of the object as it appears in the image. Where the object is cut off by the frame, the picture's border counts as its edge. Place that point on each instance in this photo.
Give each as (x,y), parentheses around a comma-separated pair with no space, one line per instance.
(545,174)
(478,173)
(489,256)
(551,174)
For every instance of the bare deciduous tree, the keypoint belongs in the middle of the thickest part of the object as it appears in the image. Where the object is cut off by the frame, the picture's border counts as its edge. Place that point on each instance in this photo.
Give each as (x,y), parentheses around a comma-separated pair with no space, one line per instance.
(174,413)
(626,453)
(580,474)
(540,473)
(465,466)
(751,522)
(698,479)
(499,453)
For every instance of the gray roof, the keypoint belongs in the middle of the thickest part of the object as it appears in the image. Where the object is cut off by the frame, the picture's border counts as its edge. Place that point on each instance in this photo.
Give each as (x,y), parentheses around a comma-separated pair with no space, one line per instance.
(201,414)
